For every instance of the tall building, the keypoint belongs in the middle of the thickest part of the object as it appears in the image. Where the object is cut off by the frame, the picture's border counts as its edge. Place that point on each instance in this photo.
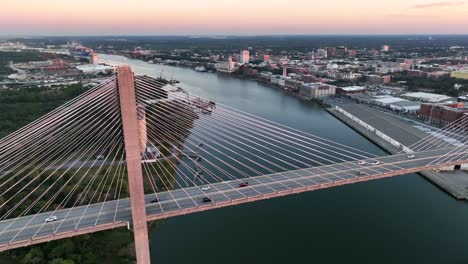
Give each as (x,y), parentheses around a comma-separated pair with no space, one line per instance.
(245,56)
(341,52)
(321,53)
(352,53)
(93,58)
(331,51)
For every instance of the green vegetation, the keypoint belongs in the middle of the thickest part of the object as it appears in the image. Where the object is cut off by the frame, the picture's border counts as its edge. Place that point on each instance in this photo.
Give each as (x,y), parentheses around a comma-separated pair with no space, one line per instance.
(18,107)
(25,56)
(443,85)
(5,70)
(22,106)
(113,246)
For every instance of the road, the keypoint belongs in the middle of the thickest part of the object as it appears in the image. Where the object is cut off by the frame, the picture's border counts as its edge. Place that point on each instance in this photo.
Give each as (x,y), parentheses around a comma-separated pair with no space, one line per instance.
(33,229)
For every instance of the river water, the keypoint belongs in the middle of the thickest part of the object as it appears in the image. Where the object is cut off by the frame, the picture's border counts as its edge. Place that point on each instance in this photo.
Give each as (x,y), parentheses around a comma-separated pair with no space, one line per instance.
(404,219)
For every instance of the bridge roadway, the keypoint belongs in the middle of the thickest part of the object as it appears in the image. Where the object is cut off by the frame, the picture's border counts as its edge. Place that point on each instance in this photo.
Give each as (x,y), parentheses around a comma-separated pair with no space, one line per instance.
(32,229)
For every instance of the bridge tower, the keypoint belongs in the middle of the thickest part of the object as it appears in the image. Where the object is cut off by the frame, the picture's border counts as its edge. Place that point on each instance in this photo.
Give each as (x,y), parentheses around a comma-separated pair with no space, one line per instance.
(131,122)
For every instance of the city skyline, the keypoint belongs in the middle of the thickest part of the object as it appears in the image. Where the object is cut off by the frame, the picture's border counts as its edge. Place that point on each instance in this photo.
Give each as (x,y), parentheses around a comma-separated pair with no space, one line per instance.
(204,17)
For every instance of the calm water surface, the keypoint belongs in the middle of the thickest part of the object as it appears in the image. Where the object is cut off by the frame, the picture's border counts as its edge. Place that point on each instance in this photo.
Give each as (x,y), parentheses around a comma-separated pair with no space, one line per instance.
(398,220)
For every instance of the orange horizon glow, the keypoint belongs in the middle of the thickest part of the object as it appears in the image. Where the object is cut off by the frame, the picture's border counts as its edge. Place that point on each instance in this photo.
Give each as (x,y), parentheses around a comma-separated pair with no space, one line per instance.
(149,17)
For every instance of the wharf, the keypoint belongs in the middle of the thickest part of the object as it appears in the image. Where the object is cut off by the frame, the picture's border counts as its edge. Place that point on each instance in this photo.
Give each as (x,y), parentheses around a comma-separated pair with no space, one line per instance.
(407,133)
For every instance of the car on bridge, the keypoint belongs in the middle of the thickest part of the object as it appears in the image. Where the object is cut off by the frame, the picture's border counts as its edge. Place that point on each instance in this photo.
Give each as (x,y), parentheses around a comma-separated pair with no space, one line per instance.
(360,173)
(361,162)
(206,188)
(410,156)
(375,162)
(206,200)
(51,219)
(243,184)
(155,200)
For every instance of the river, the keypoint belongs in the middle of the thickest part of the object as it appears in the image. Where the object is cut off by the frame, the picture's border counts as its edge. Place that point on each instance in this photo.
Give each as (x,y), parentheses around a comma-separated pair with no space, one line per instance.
(404,219)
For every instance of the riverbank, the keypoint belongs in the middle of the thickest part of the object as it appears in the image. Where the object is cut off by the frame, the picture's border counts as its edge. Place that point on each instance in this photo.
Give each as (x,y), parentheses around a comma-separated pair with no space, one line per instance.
(454,182)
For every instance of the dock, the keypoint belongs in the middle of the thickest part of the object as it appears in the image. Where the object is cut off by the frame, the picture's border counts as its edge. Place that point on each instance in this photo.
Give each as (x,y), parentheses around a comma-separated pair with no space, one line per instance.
(404,131)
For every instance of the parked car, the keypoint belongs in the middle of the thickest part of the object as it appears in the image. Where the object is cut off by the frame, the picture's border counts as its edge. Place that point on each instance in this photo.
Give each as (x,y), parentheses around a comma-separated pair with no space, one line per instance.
(410,156)
(360,173)
(155,200)
(375,162)
(361,162)
(51,219)
(206,188)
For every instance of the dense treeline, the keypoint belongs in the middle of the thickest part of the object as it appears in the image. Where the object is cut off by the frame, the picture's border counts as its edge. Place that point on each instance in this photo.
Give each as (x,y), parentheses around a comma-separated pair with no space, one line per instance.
(302,43)
(443,85)
(19,107)
(104,247)
(5,70)
(24,56)
(22,106)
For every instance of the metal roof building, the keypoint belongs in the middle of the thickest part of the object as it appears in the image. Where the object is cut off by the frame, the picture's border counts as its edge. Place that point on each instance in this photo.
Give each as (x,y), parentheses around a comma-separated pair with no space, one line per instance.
(427,97)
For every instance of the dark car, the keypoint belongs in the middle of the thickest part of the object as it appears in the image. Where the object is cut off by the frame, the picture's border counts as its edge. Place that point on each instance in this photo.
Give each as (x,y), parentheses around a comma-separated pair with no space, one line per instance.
(206,200)
(361,173)
(243,184)
(155,200)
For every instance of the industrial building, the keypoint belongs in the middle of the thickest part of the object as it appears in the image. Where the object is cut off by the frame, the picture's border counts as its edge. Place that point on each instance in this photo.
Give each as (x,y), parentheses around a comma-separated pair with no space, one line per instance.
(350,90)
(406,106)
(317,90)
(95,69)
(442,114)
(427,97)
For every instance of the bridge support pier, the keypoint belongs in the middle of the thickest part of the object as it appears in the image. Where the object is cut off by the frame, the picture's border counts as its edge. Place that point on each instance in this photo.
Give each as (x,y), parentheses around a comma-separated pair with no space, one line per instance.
(130,125)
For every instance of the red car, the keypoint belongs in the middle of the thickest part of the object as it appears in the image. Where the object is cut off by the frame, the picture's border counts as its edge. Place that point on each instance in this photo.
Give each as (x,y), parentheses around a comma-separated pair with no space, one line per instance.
(244,184)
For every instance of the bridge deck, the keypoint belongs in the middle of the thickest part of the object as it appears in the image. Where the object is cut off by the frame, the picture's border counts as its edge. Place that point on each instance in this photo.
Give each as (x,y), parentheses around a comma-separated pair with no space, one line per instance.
(32,229)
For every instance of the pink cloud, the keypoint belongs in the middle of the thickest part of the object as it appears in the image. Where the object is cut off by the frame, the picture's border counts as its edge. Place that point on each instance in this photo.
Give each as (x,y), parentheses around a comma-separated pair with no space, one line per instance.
(440,4)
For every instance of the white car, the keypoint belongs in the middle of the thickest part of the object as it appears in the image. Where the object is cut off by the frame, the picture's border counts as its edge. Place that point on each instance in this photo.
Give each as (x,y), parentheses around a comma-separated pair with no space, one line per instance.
(375,162)
(411,156)
(206,188)
(51,219)
(361,162)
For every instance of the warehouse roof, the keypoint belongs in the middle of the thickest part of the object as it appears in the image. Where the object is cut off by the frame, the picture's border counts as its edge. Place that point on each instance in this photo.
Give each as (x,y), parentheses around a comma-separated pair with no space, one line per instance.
(427,97)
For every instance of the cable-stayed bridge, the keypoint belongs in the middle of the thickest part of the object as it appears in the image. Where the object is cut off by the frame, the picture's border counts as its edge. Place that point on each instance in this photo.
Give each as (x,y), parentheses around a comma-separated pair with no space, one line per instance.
(134,149)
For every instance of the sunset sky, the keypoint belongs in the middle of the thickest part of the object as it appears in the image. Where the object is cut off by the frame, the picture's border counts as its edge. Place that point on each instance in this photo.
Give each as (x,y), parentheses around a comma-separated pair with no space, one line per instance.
(240,17)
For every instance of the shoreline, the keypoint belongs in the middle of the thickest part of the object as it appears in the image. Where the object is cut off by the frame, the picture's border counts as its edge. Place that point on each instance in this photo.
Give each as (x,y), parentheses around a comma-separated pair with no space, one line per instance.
(432,176)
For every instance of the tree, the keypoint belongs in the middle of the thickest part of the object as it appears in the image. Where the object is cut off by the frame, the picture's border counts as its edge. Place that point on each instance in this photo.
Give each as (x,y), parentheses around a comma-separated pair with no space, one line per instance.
(34,256)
